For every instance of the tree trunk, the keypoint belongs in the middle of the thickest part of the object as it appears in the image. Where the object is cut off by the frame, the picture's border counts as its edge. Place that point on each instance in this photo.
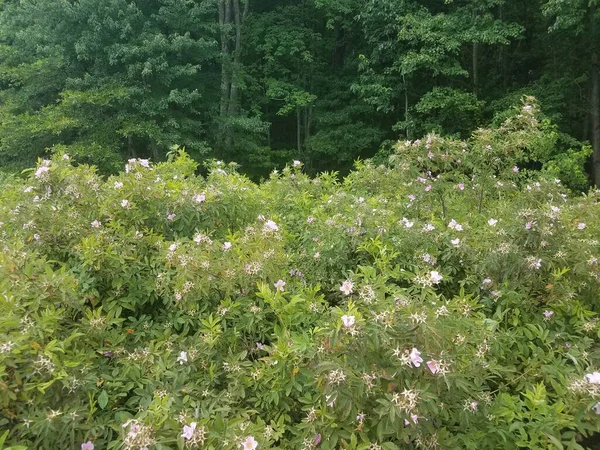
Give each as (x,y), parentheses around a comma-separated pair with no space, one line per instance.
(595,113)
(298,132)
(224,19)
(233,98)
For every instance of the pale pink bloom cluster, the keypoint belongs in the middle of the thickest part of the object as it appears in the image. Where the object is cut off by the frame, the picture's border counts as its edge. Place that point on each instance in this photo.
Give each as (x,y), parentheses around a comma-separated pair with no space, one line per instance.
(270,226)
(297,163)
(95,224)
(199,198)
(87,446)
(280,285)
(171,216)
(455,242)
(434,366)
(435,277)
(581,226)
(407,223)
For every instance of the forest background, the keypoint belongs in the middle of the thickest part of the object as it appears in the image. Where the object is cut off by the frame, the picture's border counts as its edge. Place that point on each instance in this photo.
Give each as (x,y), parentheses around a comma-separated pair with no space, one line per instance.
(261,82)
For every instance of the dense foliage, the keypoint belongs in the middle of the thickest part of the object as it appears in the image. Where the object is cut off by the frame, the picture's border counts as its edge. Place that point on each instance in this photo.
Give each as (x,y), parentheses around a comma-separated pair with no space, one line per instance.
(445,299)
(263,82)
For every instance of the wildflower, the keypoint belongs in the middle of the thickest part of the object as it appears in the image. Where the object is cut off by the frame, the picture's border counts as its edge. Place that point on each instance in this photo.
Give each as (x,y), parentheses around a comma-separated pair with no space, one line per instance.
(596,408)
(427,188)
(593,378)
(297,163)
(529,225)
(434,366)
(87,446)
(188,431)
(360,418)
(280,285)
(317,439)
(317,255)
(548,314)
(171,216)
(412,198)
(347,287)
(182,358)
(226,246)
(428,227)
(407,223)
(249,443)
(435,277)
(125,203)
(515,169)
(492,222)
(42,172)
(455,225)
(455,242)
(415,357)
(270,226)
(95,224)
(460,186)
(581,226)
(199,198)
(348,321)
(118,185)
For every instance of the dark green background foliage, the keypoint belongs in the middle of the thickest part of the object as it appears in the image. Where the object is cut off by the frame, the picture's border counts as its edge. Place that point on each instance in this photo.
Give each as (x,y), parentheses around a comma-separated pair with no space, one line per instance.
(261,82)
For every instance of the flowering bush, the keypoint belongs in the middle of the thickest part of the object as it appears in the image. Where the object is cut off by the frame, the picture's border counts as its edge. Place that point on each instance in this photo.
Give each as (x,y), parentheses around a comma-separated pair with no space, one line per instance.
(446,300)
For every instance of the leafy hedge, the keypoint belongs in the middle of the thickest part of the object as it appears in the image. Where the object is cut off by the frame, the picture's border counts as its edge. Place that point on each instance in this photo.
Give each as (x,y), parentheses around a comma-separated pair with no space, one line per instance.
(445,300)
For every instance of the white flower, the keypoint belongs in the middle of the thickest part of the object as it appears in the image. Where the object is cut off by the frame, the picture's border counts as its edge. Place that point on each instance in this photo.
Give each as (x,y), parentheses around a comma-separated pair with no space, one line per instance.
(95,224)
(280,285)
(118,185)
(226,246)
(435,277)
(593,378)
(182,358)
(415,357)
(125,203)
(199,198)
(270,226)
(455,242)
(42,172)
(492,222)
(348,321)
(581,226)
(297,163)
(346,287)
(188,432)
(249,443)
(87,445)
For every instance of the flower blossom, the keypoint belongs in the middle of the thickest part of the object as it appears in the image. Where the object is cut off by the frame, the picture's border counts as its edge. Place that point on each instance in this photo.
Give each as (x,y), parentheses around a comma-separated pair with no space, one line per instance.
(435,277)
(581,226)
(249,443)
(548,314)
(348,321)
(95,224)
(199,198)
(297,163)
(270,226)
(492,222)
(593,378)
(227,246)
(188,431)
(182,358)
(347,287)
(415,357)
(280,285)
(125,203)
(87,446)
(434,366)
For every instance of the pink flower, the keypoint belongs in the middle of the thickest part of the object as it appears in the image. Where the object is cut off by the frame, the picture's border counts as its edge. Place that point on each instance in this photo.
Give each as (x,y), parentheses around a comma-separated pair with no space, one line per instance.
(95,224)
(249,443)
(430,155)
(461,187)
(593,378)
(270,226)
(529,225)
(87,446)
(188,432)
(434,366)
(280,285)
(581,226)
(199,198)
(427,188)
(515,169)
(171,216)
(492,222)
(435,277)
(415,357)
(455,242)
(347,287)
(548,314)
(348,321)
(297,163)
(226,246)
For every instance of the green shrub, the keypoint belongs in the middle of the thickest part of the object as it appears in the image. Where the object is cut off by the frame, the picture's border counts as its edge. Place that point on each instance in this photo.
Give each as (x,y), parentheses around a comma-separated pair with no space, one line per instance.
(448,300)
